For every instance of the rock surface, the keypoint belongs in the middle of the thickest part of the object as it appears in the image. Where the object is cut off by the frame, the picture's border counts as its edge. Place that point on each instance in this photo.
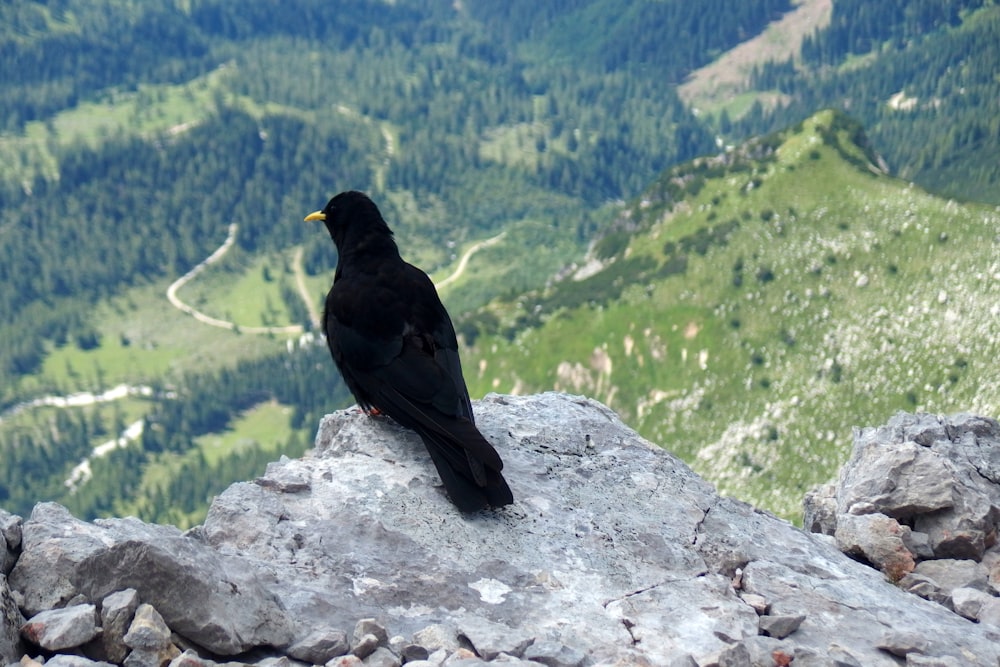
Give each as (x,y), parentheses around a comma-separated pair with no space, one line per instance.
(919,499)
(614,552)
(11,648)
(58,629)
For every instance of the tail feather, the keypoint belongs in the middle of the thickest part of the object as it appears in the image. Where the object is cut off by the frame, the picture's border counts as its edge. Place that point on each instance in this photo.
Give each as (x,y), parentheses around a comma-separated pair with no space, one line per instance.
(468,464)
(470,485)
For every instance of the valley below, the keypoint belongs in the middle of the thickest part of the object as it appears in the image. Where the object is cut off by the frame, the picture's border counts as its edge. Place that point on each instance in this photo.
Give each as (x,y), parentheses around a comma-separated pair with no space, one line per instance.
(748,230)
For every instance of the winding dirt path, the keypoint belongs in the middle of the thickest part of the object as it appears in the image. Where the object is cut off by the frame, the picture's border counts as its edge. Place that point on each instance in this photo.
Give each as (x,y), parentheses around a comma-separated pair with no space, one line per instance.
(314,314)
(464,261)
(208,319)
(300,283)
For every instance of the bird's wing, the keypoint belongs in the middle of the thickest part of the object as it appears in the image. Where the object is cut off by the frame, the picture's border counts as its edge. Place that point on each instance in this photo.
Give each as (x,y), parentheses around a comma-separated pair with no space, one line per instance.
(407,366)
(415,388)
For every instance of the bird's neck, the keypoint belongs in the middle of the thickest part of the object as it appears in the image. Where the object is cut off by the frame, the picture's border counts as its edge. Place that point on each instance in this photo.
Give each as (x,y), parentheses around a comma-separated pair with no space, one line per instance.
(359,251)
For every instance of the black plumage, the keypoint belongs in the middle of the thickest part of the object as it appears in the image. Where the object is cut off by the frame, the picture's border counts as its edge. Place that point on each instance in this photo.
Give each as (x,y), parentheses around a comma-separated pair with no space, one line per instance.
(393,342)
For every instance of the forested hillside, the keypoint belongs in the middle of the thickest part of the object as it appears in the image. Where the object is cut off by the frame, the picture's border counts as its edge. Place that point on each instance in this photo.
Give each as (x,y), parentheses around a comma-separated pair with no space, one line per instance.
(133,135)
(750,309)
(921,77)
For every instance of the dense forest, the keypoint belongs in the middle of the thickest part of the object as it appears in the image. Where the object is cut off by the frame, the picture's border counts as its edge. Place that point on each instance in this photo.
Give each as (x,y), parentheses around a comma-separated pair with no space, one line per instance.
(921,76)
(132,134)
(38,456)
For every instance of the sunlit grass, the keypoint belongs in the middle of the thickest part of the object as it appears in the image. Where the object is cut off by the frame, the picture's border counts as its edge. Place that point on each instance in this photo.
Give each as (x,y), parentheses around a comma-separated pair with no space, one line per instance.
(265,426)
(150,110)
(144,338)
(840,297)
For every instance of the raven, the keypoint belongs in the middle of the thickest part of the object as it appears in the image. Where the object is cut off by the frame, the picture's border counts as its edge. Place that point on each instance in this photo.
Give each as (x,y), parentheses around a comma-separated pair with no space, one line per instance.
(395,346)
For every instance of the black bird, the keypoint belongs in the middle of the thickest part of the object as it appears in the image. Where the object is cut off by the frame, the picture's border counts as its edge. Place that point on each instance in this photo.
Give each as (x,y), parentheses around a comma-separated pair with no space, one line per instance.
(392,340)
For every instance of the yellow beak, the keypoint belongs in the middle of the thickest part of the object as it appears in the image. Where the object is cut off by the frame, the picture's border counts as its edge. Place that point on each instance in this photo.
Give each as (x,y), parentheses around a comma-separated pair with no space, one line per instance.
(313,217)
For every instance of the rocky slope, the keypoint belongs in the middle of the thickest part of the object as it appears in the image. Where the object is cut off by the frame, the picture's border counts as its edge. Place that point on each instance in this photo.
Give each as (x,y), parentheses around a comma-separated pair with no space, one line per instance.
(614,553)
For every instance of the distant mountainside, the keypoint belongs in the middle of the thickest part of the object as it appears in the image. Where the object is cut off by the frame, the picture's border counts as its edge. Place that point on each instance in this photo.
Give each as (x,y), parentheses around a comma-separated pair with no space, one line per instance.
(748,310)
(136,138)
(920,76)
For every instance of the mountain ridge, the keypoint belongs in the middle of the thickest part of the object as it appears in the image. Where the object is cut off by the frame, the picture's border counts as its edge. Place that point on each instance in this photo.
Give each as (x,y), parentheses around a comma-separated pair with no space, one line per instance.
(121,168)
(752,308)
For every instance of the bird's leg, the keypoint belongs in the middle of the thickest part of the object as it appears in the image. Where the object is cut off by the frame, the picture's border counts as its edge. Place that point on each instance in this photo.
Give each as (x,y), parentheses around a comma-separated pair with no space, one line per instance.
(373,411)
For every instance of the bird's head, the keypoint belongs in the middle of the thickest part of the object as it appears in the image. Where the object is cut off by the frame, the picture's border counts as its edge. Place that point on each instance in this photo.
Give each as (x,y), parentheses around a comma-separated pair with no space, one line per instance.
(350,217)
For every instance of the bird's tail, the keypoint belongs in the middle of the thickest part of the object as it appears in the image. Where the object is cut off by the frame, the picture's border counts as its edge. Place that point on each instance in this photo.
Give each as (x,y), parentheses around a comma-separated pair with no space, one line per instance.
(472,484)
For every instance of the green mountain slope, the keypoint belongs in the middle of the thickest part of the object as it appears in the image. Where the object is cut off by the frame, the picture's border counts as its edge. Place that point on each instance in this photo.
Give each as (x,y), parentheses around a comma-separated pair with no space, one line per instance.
(134,134)
(920,76)
(752,308)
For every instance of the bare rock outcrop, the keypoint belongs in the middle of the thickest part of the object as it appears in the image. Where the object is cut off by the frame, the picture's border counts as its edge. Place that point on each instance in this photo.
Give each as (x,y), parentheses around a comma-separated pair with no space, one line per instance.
(919,499)
(614,553)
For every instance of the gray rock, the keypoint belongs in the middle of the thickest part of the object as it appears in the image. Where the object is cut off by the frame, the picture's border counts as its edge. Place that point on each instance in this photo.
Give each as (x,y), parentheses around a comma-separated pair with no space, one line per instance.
(489,639)
(65,660)
(877,538)
(819,509)
(10,541)
(989,612)
(10,528)
(11,647)
(607,530)
(507,660)
(684,661)
(44,579)
(685,625)
(901,480)
(905,642)
(320,646)
(7,558)
(412,652)
(925,587)
(212,599)
(757,602)
(991,561)
(117,612)
(946,541)
(273,661)
(841,657)
(939,472)
(950,574)
(614,552)
(917,660)
(780,627)
(346,661)
(941,475)
(382,657)
(968,602)
(735,655)
(512,661)
(283,479)
(463,657)
(149,638)
(190,658)
(437,636)
(59,629)
(761,651)
(554,654)
(369,626)
(435,659)
(364,645)
(918,544)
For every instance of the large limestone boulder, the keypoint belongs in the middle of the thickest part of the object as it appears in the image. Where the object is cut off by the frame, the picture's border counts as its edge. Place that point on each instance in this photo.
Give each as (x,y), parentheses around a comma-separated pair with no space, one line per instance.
(614,552)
